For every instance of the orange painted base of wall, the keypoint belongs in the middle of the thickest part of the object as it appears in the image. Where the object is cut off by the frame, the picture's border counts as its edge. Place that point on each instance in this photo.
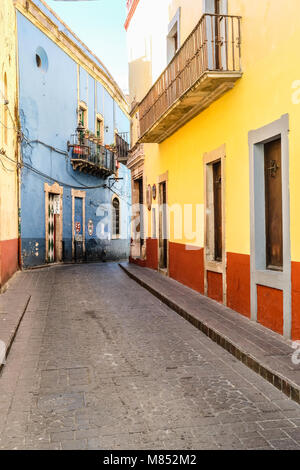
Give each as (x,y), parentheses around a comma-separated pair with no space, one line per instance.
(238,283)
(215,286)
(8,259)
(137,261)
(295,300)
(152,253)
(186,265)
(270,308)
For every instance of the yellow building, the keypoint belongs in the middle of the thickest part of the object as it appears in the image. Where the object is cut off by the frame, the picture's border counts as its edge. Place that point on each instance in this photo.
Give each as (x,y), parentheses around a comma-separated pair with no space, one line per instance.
(215,92)
(8,143)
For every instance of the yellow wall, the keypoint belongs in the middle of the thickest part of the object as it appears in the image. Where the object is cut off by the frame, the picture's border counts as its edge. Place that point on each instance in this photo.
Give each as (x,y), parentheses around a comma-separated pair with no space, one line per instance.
(270,44)
(8,173)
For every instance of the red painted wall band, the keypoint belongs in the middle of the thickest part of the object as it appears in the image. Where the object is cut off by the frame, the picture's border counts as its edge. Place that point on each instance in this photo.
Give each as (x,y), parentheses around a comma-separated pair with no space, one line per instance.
(270,308)
(295,300)
(152,253)
(215,286)
(186,265)
(9,259)
(238,283)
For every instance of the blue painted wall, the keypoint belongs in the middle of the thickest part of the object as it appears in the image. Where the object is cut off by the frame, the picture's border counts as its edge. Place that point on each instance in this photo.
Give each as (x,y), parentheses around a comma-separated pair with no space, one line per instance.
(48,113)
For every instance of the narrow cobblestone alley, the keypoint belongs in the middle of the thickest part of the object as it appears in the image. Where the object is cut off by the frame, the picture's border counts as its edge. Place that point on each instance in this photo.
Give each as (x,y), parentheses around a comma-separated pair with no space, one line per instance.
(100,363)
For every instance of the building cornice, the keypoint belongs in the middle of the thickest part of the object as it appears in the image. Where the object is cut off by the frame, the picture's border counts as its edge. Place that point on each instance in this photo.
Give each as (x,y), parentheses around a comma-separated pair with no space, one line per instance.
(137,156)
(36,16)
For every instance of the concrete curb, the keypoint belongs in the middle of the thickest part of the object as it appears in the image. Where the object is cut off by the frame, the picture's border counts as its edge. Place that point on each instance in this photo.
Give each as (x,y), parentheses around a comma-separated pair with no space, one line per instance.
(285,385)
(9,333)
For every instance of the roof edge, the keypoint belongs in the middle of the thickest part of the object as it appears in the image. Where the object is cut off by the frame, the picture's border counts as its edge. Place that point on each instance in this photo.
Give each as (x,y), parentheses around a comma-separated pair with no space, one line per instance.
(23,7)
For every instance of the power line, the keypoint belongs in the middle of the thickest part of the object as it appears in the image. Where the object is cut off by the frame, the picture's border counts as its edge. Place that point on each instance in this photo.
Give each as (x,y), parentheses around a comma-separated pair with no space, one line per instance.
(54,149)
(45,176)
(8,128)
(6,169)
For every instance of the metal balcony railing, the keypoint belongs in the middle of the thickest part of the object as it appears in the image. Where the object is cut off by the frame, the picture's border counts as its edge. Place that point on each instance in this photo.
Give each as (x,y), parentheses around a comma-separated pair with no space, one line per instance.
(90,155)
(213,46)
(122,146)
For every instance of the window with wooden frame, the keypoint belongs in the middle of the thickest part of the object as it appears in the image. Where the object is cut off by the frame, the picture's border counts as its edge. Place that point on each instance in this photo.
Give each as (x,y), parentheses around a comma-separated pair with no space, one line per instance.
(115,217)
(100,129)
(173,37)
(83,115)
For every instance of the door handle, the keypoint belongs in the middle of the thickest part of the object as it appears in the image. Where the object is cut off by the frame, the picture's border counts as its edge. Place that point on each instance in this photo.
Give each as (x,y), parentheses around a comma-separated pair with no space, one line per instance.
(273,168)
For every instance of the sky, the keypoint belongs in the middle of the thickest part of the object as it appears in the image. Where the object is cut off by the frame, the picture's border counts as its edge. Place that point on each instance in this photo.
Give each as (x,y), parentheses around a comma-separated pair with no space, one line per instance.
(100,25)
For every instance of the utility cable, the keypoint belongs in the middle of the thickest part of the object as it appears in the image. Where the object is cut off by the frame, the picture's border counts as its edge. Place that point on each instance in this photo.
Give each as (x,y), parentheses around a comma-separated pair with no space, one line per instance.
(44,175)
(62,152)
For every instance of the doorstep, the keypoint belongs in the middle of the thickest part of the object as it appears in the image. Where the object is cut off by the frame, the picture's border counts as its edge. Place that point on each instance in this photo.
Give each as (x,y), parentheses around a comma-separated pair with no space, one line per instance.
(262,350)
(13,304)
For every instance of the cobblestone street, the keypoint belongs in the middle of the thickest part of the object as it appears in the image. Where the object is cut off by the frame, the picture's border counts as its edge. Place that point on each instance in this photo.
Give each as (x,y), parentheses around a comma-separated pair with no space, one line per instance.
(100,363)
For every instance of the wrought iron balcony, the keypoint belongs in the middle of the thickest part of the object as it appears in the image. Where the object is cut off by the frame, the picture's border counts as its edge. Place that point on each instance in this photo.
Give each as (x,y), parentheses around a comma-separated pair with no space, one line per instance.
(90,157)
(122,147)
(205,67)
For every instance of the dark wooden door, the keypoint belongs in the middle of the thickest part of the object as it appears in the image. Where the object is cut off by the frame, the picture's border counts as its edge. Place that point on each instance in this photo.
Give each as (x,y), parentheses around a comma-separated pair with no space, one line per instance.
(273,205)
(217,35)
(163,241)
(217,175)
(141,203)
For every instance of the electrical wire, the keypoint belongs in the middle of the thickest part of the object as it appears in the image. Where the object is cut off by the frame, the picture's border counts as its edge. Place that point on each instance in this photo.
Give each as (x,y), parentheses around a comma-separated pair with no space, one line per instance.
(54,149)
(6,169)
(45,176)
(8,128)
(3,153)
(11,116)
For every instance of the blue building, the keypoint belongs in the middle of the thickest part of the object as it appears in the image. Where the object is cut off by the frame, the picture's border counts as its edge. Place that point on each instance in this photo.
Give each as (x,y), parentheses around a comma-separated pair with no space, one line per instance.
(75,187)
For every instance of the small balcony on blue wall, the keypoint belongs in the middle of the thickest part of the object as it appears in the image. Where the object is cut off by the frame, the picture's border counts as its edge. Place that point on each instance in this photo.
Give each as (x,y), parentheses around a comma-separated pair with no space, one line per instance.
(90,156)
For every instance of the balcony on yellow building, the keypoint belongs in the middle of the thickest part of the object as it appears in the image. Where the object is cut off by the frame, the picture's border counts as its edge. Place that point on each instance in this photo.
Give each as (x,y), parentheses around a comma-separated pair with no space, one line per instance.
(206,66)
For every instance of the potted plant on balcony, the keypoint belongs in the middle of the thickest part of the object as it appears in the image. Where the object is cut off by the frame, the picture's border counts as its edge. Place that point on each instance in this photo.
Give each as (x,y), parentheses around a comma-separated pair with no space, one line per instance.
(111,147)
(92,137)
(86,134)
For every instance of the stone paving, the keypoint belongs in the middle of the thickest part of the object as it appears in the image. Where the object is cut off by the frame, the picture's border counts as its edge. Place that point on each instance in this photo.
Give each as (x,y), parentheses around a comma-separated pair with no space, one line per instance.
(264,351)
(100,363)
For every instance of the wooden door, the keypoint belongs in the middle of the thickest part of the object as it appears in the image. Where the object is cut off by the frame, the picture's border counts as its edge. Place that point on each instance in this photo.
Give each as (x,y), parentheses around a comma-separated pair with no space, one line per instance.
(217,187)
(51,229)
(273,206)
(218,61)
(163,241)
(141,203)
(78,228)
